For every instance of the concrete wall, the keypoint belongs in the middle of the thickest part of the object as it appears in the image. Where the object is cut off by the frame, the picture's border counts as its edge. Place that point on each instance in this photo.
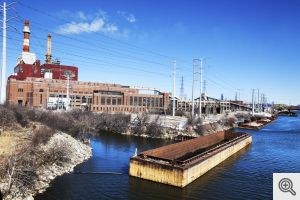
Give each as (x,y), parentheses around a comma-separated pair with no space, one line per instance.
(177,176)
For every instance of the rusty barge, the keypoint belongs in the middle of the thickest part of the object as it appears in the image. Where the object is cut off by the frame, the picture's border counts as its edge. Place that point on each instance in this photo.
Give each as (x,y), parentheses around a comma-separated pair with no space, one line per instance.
(181,163)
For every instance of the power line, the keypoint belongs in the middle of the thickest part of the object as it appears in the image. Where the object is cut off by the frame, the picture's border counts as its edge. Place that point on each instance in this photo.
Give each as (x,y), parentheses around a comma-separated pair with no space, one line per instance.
(101,34)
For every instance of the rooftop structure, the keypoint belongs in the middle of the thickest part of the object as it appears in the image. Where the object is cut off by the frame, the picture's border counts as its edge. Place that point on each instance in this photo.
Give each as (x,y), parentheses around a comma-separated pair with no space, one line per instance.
(28,66)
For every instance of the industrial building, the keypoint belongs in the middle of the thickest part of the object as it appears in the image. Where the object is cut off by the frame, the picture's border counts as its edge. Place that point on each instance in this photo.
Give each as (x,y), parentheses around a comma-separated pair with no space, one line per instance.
(55,86)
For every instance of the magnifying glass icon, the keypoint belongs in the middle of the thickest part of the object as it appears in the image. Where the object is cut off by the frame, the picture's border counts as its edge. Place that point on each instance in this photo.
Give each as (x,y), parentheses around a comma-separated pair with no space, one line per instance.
(286,185)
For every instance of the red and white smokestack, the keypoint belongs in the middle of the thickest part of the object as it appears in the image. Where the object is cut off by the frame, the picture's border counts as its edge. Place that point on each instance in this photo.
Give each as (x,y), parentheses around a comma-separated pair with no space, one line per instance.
(26,32)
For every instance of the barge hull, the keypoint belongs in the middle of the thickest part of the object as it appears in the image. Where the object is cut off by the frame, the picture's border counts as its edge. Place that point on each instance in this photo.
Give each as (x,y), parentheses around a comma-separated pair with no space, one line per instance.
(165,172)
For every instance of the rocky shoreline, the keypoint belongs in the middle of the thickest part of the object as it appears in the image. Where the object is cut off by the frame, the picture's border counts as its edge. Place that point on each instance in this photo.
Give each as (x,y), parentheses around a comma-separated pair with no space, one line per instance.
(77,153)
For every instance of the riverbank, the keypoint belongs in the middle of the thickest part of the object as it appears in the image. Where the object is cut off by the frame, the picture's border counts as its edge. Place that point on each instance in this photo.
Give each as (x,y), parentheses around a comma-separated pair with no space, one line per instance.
(34,149)
(27,170)
(175,127)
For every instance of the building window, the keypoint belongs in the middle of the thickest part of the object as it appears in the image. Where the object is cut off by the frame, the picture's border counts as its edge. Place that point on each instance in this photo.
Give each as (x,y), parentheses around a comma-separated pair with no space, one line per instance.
(41,99)
(102,100)
(20,89)
(160,102)
(144,101)
(90,100)
(119,101)
(83,99)
(108,101)
(148,102)
(152,102)
(140,101)
(114,101)
(131,101)
(135,101)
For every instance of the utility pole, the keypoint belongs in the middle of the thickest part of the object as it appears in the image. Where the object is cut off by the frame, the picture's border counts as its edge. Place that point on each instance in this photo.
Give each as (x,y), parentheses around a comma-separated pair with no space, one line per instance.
(174,83)
(4,8)
(3,69)
(200,98)
(252,102)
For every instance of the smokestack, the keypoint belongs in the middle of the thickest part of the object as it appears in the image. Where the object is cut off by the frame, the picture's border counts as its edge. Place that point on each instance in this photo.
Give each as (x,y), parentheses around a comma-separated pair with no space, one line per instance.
(26,32)
(48,53)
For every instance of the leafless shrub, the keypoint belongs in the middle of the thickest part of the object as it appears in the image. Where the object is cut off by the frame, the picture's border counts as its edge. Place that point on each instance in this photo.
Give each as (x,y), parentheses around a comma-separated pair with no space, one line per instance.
(41,135)
(20,114)
(229,120)
(20,171)
(154,129)
(7,117)
(58,154)
(196,124)
(245,116)
(140,124)
(253,118)
(116,123)
(57,121)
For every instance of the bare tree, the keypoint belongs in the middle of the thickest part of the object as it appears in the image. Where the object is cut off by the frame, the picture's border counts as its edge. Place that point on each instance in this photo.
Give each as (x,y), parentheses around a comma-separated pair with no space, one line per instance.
(19,171)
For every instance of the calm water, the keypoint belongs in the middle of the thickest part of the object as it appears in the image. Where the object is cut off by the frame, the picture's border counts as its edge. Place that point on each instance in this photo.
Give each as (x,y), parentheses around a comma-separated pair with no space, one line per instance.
(246,175)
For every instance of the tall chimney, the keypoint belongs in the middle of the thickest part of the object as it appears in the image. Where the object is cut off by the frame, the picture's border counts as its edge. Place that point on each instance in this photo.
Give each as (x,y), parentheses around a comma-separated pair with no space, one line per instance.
(48,53)
(26,32)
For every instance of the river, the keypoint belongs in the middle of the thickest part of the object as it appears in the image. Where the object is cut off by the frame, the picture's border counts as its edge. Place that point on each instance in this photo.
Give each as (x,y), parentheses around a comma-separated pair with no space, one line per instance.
(246,175)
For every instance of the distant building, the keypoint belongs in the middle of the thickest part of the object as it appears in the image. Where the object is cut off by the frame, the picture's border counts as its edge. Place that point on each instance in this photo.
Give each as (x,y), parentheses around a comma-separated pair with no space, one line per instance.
(44,93)
(45,87)
(29,66)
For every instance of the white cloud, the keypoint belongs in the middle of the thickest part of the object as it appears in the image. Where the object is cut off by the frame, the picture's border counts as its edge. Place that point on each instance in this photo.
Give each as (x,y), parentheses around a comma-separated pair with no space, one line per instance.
(131,18)
(128,16)
(88,24)
(81,27)
(111,28)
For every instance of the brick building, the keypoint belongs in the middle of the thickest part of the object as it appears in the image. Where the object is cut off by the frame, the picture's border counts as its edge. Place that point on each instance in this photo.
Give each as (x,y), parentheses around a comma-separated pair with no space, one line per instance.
(41,93)
(55,86)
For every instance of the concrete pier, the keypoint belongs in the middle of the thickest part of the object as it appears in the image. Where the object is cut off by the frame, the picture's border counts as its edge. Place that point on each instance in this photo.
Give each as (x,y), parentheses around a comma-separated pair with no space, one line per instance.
(181,163)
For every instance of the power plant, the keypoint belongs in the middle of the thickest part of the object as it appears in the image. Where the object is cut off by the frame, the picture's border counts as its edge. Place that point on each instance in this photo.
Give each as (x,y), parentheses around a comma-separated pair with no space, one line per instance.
(55,86)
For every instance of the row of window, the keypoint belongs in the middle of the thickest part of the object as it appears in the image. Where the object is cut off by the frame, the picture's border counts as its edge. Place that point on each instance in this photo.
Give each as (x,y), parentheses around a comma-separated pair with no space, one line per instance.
(118,109)
(146,101)
(108,101)
(132,101)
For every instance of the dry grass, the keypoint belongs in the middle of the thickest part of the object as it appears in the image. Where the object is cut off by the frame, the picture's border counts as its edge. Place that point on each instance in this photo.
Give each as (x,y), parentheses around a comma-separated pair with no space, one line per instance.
(6,143)
(11,138)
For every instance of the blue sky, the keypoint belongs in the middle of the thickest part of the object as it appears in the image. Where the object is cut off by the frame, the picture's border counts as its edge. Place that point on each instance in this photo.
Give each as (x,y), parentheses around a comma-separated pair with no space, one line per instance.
(247,43)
